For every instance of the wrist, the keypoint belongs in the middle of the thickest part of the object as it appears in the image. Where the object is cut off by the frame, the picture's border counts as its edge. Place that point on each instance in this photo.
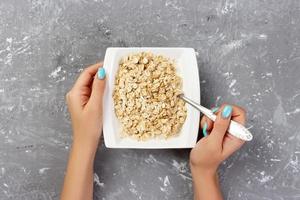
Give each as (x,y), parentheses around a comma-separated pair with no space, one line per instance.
(206,184)
(85,145)
(204,172)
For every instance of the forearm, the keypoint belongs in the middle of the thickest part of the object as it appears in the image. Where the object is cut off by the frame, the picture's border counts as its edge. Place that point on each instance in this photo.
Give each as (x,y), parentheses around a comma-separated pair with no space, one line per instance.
(206,185)
(78,183)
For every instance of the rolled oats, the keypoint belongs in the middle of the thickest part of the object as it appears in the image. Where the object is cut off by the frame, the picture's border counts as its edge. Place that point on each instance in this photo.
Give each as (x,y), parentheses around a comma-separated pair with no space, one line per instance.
(146,98)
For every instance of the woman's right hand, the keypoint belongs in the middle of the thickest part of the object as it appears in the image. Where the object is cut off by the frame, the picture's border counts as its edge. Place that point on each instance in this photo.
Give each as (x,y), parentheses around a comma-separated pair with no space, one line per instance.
(211,150)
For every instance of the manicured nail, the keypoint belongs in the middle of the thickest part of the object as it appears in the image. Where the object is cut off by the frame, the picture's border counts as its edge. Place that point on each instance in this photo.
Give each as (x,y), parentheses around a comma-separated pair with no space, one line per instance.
(204,129)
(101,73)
(215,109)
(226,111)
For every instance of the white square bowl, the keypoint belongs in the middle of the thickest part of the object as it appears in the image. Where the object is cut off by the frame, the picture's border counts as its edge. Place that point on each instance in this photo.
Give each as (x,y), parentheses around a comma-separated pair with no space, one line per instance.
(187,69)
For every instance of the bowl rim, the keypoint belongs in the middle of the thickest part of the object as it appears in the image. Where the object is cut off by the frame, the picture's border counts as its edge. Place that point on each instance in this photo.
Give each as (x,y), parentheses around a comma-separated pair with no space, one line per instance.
(109,60)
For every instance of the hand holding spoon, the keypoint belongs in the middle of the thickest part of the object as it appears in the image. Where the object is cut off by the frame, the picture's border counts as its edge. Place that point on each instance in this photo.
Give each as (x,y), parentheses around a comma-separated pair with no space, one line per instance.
(234,129)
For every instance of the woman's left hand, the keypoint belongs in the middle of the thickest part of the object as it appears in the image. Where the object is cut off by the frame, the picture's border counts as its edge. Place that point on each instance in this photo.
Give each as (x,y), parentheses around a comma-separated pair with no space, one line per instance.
(85,105)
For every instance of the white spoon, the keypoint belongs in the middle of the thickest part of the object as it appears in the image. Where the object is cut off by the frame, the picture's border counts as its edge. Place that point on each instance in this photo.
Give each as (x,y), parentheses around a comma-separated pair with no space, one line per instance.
(234,129)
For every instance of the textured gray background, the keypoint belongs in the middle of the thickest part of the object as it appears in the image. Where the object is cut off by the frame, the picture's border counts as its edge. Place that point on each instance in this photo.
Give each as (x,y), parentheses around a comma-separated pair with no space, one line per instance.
(248,54)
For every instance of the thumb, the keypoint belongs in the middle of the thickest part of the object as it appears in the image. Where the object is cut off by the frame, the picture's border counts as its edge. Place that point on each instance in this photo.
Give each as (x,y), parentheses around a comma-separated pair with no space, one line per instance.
(222,123)
(98,88)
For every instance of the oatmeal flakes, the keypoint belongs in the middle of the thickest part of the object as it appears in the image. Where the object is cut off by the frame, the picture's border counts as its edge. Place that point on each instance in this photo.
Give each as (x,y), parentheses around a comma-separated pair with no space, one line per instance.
(146,98)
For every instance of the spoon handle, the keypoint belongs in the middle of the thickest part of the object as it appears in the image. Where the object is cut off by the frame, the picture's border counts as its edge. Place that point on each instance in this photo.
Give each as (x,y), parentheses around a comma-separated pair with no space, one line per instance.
(234,129)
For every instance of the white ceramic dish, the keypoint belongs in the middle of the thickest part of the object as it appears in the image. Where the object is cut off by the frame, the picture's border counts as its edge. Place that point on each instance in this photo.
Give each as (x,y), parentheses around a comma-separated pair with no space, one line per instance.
(187,69)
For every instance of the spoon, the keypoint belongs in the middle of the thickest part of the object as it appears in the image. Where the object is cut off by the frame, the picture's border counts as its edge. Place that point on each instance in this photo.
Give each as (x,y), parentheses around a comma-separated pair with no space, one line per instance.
(234,129)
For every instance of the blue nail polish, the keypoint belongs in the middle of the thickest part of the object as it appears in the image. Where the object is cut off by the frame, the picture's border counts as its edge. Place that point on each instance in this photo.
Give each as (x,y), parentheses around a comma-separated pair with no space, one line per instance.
(226,111)
(204,129)
(215,109)
(101,73)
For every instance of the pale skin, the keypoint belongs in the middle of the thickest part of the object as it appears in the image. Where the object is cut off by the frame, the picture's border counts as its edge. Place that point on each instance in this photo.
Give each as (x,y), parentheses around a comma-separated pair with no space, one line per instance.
(211,151)
(85,106)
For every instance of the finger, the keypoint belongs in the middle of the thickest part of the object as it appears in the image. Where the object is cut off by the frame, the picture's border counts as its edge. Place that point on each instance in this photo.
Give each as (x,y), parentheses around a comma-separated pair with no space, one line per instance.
(98,88)
(238,114)
(86,77)
(222,123)
(230,145)
(206,124)
(209,122)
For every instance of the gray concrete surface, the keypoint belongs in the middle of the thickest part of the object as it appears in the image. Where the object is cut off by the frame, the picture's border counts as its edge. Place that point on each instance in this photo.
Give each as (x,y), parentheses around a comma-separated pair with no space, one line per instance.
(248,54)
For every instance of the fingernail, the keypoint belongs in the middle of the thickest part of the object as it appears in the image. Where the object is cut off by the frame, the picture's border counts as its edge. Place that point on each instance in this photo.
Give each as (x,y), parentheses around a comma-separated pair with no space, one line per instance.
(215,109)
(101,73)
(226,111)
(204,129)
